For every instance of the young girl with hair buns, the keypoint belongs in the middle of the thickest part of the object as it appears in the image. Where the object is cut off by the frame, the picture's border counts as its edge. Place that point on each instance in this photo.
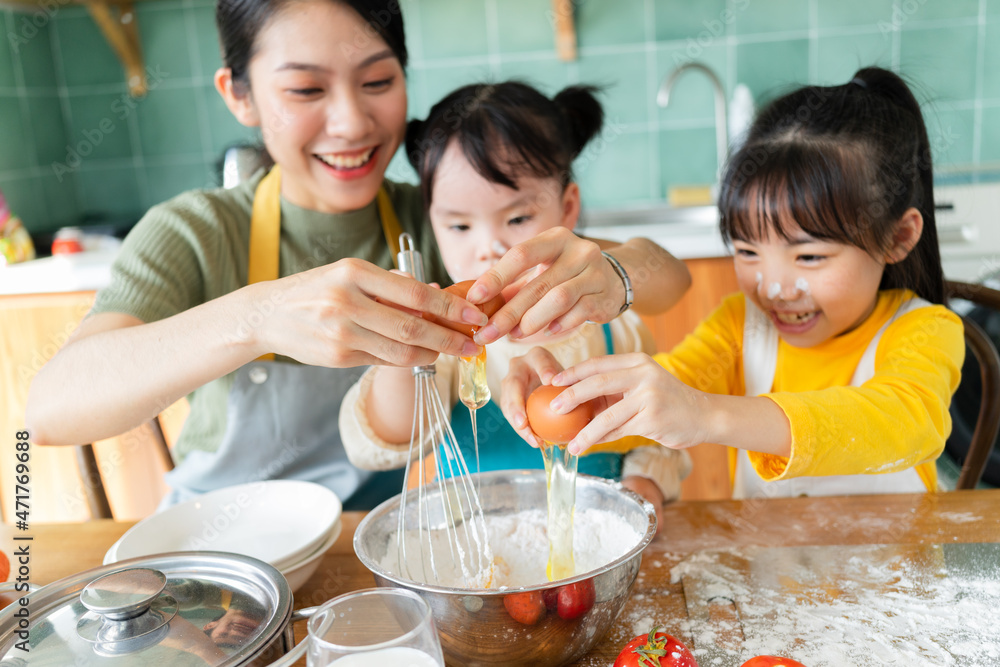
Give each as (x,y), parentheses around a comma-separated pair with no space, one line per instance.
(494,162)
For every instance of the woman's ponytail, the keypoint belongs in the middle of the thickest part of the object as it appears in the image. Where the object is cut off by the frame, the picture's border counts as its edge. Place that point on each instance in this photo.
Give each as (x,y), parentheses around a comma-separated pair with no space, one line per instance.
(413,142)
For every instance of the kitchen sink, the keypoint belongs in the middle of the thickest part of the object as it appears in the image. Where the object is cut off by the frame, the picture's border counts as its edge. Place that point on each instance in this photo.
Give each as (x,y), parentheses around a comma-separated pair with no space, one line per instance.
(687,232)
(700,216)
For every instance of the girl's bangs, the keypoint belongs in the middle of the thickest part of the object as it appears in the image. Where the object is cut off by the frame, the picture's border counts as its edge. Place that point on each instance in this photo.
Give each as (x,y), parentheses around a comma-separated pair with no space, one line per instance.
(776,188)
(503,150)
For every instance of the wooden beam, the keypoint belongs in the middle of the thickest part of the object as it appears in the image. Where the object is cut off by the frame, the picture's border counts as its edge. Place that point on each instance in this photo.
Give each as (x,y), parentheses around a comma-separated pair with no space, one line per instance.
(562,11)
(118,26)
(121,32)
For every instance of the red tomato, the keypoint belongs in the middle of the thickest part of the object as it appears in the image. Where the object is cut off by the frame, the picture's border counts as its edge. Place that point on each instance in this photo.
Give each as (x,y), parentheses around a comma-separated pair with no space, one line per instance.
(526,607)
(771,661)
(664,650)
(4,566)
(574,600)
(551,597)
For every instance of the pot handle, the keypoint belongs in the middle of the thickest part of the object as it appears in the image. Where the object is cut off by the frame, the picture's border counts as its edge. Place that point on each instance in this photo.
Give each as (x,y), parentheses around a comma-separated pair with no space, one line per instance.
(289,658)
(295,652)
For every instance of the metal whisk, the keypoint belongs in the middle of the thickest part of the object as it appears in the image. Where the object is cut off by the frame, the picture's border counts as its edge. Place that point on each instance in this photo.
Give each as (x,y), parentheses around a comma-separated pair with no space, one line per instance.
(442,538)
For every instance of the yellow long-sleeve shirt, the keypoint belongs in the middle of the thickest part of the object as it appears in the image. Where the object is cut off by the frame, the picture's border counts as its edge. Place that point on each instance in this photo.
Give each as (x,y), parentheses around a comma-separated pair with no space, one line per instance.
(896,420)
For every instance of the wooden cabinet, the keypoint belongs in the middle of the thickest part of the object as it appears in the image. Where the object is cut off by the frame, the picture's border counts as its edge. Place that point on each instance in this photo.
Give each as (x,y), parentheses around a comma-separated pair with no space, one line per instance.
(32,329)
(711,281)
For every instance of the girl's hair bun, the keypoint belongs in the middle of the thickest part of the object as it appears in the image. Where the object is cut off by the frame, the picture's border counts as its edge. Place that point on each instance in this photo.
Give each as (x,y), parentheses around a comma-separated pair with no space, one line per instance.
(505,130)
(583,113)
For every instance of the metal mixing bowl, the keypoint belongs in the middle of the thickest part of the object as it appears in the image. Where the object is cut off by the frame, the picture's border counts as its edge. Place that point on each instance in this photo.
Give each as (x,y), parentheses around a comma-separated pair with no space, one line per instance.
(474,625)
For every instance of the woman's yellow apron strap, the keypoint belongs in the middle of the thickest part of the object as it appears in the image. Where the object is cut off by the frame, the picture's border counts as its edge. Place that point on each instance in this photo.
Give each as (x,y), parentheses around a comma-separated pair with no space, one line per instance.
(265,230)
(390,223)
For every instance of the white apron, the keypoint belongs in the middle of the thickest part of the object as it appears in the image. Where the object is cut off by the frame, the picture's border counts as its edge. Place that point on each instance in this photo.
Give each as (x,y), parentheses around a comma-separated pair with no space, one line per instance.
(281,418)
(760,360)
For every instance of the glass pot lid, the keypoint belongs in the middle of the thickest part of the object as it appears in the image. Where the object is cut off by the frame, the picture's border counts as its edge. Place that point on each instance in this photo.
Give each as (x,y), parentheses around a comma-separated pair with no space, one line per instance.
(177,609)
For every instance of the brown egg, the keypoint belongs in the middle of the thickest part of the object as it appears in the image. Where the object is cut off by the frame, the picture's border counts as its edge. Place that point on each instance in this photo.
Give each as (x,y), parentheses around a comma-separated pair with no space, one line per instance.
(552,427)
(461,289)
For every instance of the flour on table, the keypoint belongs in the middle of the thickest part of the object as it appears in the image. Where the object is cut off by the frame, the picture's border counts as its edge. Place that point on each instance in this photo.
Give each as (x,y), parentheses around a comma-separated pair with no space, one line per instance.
(919,606)
(521,548)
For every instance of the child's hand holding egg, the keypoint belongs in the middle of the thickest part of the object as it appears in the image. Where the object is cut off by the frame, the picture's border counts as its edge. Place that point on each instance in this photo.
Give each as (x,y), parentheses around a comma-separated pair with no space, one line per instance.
(551,426)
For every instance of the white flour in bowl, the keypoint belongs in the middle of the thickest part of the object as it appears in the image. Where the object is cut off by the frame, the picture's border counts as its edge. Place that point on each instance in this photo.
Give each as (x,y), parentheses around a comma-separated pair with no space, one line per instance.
(521,548)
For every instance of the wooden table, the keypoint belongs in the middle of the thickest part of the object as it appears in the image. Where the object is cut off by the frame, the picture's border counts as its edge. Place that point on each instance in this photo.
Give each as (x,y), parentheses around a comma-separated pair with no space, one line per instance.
(689,527)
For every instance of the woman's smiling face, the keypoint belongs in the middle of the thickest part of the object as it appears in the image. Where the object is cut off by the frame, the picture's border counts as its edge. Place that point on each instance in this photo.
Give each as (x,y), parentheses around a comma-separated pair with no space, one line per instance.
(330,98)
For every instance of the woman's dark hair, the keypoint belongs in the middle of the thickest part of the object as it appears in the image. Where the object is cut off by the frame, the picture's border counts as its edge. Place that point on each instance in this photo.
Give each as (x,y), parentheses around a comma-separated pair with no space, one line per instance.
(506,130)
(844,163)
(239,23)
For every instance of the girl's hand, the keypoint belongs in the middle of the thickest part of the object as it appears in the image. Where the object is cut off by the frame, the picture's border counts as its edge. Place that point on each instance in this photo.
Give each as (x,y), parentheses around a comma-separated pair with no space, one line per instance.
(576,285)
(632,395)
(353,313)
(524,375)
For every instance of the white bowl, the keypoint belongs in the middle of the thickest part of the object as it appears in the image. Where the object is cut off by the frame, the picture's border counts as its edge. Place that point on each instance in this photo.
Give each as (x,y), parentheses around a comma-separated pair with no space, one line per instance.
(112,555)
(280,522)
(300,572)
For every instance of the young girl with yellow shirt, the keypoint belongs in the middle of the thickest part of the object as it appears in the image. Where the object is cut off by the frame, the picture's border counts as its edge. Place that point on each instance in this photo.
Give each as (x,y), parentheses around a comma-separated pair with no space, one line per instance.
(832,372)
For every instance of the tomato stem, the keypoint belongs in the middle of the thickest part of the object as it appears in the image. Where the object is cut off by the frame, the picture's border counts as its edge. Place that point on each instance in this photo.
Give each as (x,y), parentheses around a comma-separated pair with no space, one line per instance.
(652,650)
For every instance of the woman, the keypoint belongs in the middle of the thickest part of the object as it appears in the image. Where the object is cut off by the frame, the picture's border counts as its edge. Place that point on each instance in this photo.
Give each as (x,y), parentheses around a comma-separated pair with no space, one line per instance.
(296,264)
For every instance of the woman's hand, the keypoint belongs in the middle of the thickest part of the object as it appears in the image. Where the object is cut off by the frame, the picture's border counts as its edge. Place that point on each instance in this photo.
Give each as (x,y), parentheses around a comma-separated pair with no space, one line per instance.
(353,313)
(524,375)
(576,285)
(632,395)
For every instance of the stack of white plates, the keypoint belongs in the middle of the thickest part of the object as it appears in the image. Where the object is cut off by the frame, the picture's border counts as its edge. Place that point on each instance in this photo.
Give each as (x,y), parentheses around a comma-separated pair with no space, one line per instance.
(289,524)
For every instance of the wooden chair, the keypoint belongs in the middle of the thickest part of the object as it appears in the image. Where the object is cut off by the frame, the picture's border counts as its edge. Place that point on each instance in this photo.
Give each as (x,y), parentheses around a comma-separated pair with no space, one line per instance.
(988,422)
(90,473)
(72,483)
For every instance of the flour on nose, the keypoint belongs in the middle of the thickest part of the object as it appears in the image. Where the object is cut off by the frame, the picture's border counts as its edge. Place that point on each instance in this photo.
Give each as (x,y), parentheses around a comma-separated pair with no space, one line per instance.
(498,247)
(802,285)
(774,290)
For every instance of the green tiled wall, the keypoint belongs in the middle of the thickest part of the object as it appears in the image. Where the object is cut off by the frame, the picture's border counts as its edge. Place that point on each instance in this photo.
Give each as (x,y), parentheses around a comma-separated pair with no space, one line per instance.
(74,147)
(33,124)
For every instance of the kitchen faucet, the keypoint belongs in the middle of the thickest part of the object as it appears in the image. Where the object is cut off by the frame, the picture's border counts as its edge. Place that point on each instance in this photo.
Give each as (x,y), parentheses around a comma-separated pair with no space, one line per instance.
(721,140)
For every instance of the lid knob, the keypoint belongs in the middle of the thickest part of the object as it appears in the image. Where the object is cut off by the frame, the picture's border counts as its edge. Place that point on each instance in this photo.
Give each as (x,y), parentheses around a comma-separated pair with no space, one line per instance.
(123,594)
(125,605)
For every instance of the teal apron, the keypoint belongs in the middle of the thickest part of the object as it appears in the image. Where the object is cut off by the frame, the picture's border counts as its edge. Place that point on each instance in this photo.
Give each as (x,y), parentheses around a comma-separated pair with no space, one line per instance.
(281,420)
(501,448)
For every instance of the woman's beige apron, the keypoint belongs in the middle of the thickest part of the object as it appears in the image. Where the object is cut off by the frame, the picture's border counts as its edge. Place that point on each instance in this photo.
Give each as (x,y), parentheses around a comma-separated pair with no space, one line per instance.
(281,417)
(760,360)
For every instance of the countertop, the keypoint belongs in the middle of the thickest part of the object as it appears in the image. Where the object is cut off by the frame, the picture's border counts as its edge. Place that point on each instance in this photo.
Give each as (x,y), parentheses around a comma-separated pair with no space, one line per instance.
(79,272)
(689,528)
